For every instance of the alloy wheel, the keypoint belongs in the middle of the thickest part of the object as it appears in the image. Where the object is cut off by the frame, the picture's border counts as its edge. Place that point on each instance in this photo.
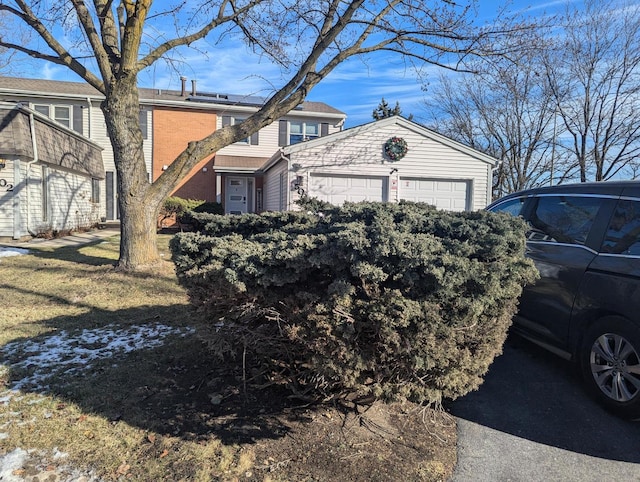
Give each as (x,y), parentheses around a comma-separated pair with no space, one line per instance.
(615,366)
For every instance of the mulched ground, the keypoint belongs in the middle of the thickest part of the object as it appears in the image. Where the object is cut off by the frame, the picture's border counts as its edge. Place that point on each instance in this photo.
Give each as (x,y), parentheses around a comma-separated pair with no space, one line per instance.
(192,399)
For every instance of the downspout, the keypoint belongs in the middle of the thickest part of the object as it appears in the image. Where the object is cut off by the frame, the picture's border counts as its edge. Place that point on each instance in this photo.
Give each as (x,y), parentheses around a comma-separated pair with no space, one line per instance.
(287,186)
(34,144)
(90,117)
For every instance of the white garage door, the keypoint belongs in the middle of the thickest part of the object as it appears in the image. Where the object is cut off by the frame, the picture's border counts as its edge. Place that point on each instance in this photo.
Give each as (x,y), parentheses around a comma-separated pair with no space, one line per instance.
(339,189)
(452,195)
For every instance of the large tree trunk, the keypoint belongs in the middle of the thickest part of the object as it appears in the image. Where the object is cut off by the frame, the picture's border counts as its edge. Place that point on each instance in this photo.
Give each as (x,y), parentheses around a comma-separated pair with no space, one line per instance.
(139,205)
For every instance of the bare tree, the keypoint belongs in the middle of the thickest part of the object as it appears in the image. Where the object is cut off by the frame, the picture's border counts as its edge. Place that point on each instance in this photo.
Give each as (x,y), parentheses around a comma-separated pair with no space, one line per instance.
(594,72)
(108,43)
(504,110)
(7,56)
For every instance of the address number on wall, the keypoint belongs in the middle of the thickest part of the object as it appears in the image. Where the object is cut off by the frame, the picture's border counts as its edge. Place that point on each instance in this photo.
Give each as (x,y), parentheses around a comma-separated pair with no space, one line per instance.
(7,186)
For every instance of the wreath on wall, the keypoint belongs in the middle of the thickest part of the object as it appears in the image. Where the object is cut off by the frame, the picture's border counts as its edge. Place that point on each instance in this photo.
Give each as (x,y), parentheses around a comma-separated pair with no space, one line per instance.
(395,148)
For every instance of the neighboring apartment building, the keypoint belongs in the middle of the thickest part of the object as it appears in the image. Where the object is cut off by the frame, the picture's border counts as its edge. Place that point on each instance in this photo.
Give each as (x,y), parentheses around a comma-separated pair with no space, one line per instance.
(171,118)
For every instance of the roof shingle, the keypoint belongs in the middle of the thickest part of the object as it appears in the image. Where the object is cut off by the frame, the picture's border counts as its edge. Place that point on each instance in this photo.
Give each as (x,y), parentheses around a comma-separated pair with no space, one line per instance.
(82,89)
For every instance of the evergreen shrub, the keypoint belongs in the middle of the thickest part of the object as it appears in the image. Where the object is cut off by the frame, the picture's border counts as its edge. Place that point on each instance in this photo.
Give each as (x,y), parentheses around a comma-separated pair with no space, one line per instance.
(208,207)
(391,301)
(178,206)
(181,209)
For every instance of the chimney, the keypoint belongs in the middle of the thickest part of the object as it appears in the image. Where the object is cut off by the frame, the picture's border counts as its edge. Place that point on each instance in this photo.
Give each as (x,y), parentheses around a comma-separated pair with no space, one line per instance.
(193,87)
(183,79)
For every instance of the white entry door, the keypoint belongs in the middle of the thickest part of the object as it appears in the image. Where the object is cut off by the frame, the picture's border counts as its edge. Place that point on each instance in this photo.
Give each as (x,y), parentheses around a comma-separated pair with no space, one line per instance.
(236,195)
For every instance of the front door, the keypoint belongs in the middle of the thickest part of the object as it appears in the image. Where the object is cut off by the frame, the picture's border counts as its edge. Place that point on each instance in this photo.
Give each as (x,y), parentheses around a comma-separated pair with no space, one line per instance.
(236,196)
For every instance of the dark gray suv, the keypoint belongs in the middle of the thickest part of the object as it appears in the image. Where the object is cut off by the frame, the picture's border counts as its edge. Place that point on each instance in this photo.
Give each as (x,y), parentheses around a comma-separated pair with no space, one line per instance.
(585,241)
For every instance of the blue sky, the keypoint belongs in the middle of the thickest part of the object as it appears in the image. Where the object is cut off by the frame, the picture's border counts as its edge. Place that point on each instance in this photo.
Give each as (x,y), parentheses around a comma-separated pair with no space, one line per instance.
(355,88)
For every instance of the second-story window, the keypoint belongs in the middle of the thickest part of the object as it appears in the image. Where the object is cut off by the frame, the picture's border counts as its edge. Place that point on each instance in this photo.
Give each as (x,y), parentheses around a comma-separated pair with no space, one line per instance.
(303,131)
(59,113)
(228,120)
(62,114)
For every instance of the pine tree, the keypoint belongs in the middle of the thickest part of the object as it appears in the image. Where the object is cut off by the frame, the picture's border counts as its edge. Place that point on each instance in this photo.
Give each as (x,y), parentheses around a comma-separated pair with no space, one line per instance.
(383,111)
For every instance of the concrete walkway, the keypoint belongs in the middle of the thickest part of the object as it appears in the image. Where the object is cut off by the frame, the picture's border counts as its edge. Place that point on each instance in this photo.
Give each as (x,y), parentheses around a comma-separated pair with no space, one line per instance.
(74,239)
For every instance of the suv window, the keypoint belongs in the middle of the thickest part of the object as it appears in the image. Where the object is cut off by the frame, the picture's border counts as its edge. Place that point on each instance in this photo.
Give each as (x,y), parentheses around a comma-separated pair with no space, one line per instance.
(623,232)
(563,219)
(512,206)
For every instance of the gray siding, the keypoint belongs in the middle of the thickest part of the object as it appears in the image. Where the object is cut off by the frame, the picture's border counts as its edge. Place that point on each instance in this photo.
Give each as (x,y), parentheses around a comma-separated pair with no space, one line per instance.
(272,193)
(7,196)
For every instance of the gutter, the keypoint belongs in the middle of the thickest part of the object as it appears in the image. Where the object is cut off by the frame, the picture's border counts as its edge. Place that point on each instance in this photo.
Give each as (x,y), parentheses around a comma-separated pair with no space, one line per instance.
(279,156)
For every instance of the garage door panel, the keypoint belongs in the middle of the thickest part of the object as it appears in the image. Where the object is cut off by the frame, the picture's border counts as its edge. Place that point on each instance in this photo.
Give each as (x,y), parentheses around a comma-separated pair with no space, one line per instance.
(340,189)
(337,182)
(448,194)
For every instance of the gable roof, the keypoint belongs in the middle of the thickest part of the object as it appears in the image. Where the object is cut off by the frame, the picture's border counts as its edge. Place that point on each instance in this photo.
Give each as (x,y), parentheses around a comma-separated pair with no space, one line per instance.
(81,90)
(374,125)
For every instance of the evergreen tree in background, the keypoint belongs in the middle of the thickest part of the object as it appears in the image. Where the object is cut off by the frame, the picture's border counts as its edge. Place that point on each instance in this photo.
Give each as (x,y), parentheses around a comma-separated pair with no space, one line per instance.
(383,111)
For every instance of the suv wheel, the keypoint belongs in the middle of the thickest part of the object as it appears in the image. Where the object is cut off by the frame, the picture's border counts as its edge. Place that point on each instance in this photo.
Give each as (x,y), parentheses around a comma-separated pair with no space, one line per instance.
(610,361)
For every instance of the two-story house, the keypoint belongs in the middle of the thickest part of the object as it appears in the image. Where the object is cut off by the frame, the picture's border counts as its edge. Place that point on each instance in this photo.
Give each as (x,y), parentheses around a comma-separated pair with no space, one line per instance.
(307,151)
(171,118)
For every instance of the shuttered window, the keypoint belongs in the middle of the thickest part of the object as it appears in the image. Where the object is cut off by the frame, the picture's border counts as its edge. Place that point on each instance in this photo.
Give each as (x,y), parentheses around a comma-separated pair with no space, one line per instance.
(228,120)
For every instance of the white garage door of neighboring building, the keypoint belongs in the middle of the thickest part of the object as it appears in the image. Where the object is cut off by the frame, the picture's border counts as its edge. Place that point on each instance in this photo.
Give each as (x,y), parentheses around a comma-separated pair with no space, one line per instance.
(339,189)
(452,195)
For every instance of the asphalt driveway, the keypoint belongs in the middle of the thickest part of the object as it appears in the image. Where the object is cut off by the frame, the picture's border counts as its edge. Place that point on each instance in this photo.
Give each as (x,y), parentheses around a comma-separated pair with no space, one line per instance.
(532,421)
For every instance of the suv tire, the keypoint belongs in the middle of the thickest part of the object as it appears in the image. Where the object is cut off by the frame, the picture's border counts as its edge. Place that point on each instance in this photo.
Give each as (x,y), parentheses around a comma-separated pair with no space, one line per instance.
(610,363)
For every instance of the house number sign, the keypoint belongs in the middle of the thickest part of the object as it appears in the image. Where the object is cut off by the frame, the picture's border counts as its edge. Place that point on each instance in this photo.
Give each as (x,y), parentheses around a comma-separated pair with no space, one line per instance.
(6,185)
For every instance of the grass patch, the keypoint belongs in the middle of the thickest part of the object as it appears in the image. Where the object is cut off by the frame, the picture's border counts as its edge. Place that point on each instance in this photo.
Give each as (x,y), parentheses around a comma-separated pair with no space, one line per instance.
(104,376)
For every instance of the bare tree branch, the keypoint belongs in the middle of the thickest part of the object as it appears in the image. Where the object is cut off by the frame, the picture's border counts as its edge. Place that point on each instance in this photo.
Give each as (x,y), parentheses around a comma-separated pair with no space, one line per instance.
(307,38)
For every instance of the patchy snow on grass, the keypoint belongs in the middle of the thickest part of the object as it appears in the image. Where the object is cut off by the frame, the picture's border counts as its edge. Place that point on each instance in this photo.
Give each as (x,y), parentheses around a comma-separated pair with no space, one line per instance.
(72,353)
(20,465)
(6,251)
(10,463)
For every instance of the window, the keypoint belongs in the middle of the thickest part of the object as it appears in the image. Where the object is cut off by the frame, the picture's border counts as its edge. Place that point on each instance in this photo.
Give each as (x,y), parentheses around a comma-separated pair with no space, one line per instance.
(43,109)
(303,131)
(61,113)
(230,121)
(512,206)
(563,219)
(292,132)
(623,233)
(95,191)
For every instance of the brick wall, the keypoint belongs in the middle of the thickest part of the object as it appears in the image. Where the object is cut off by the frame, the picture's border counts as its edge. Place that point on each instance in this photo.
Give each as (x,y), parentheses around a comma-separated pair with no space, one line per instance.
(172,130)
